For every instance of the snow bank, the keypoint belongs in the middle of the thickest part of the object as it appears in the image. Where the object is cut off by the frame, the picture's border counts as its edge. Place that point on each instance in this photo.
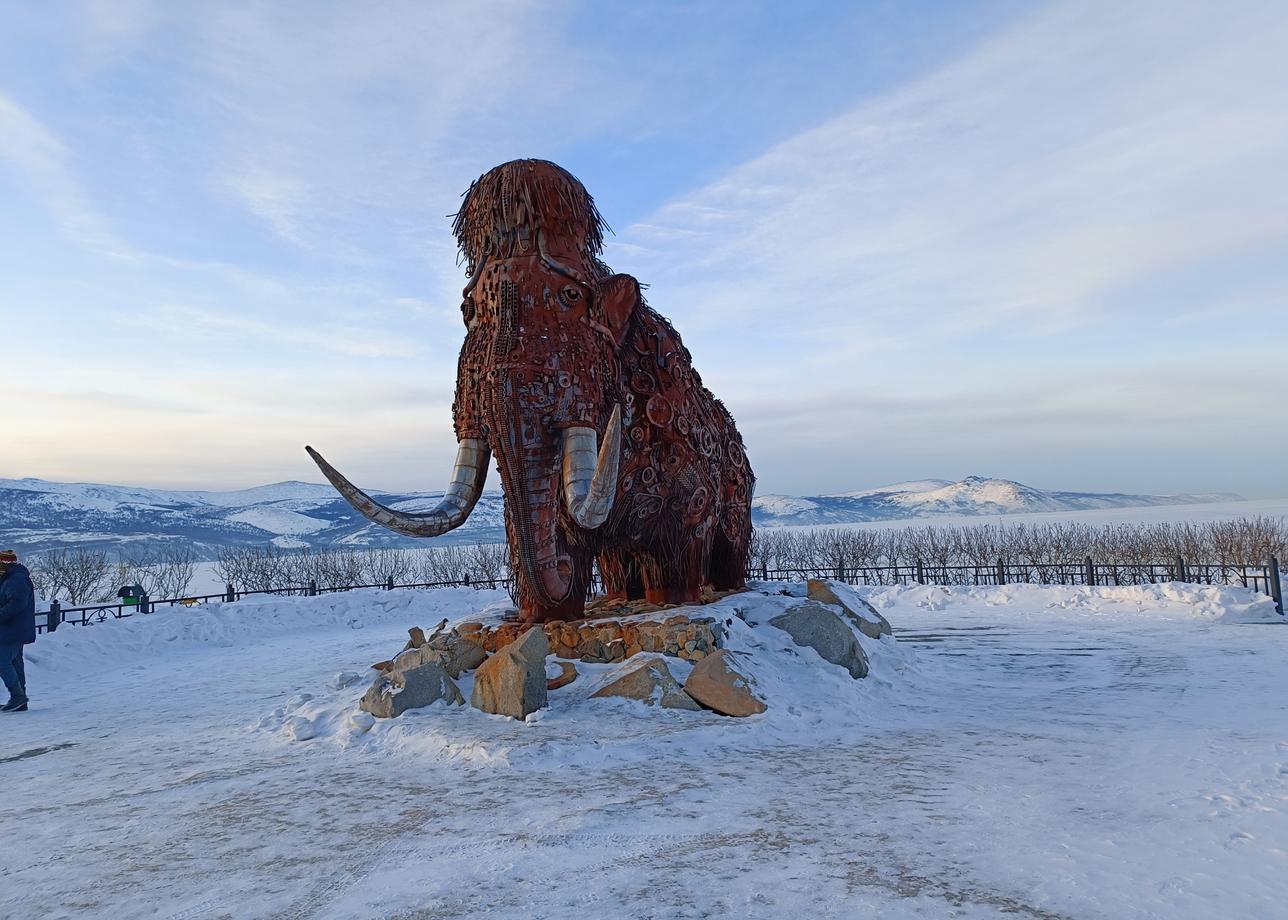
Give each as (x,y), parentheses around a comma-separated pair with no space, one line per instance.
(1165,601)
(82,650)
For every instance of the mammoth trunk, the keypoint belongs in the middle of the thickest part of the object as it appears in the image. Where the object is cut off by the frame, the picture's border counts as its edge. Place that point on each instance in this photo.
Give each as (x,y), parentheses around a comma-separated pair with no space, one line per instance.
(552,574)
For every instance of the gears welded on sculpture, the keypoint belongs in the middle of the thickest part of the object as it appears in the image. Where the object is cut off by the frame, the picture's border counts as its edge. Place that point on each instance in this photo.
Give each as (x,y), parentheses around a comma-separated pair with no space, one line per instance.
(609,446)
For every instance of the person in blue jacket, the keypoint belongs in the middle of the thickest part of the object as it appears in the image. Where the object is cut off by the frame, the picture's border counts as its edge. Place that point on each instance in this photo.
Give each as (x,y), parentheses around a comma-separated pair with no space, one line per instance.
(17,627)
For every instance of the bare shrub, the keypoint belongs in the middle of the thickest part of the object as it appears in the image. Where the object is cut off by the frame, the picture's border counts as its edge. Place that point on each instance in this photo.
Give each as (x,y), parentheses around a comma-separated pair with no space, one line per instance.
(1050,548)
(161,573)
(78,576)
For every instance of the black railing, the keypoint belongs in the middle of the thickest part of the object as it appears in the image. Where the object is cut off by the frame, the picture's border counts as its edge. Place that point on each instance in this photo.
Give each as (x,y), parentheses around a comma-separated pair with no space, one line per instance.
(1262,578)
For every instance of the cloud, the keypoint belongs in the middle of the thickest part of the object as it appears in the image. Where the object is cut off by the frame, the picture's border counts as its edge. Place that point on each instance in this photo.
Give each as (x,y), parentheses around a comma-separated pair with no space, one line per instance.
(43,160)
(328,119)
(1084,149)
(197,324)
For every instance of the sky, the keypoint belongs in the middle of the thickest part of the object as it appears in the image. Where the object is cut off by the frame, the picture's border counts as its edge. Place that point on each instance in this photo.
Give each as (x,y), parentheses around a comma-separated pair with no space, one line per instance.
(1043,241)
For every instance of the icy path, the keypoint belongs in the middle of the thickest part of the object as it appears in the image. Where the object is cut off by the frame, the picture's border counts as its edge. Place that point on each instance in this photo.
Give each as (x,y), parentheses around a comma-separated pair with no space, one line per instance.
(1084,760)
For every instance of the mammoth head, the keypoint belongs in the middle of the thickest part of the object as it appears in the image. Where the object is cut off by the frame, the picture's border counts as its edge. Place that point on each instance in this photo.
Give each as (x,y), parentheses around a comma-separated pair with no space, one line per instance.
(537,379)
(506,207)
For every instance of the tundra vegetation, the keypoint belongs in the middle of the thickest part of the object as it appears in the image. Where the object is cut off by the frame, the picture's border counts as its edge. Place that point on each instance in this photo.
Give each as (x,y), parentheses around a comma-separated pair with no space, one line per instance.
(81,576)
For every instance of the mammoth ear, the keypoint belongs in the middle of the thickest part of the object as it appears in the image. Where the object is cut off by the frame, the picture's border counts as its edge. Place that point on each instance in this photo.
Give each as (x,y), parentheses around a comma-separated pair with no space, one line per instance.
(618,296)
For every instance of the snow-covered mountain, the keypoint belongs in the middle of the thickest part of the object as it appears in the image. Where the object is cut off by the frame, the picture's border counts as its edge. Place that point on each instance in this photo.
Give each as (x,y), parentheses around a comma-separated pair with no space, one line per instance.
(37,515)
(973,495)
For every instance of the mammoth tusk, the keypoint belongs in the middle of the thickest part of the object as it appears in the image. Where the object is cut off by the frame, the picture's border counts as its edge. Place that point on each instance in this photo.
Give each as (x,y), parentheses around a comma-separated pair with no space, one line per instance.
(590,479)
(468,476)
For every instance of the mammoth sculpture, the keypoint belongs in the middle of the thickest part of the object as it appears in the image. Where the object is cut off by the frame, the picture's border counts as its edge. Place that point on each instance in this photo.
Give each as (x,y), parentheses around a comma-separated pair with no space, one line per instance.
(608,445)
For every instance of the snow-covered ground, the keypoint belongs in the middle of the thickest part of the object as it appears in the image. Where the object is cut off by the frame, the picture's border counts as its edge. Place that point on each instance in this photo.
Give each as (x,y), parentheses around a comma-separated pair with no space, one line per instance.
(1021,751)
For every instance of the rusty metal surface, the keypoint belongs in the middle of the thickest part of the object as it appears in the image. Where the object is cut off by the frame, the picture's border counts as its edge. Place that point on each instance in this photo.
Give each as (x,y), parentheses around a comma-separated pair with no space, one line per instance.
(557,346)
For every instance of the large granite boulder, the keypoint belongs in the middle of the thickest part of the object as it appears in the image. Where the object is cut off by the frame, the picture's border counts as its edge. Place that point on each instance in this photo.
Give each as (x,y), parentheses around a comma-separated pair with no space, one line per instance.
(858,611)
(720,682)
(513,681)
(815,626)
(650,683)
(397,690)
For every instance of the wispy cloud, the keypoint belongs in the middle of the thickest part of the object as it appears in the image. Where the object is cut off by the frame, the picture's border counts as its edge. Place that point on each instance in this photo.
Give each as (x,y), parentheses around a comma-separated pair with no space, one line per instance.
(197,324)
(1085,149)
(43,161)
(328,118)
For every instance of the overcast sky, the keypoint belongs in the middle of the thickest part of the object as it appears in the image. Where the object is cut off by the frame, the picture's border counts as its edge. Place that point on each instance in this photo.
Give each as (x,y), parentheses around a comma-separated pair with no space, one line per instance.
(1040,241)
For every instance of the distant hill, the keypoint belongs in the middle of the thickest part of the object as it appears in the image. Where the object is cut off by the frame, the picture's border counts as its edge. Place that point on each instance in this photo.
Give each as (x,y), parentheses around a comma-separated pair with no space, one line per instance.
(973,495)
(37,515)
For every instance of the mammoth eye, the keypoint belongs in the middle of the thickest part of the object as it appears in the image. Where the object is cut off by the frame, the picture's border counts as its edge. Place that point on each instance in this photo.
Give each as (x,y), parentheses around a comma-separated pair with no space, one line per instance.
(569,295)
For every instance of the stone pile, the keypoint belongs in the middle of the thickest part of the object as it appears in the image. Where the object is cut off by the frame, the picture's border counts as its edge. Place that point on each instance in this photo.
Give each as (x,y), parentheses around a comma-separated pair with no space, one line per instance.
(509,658)
(603,641)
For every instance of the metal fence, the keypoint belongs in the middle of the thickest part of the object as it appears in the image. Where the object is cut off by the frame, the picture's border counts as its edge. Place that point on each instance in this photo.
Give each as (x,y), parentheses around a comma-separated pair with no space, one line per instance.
(1262,578)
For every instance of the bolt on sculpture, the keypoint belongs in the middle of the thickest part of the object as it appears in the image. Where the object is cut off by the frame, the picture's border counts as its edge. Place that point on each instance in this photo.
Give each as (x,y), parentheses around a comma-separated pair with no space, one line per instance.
(608,445)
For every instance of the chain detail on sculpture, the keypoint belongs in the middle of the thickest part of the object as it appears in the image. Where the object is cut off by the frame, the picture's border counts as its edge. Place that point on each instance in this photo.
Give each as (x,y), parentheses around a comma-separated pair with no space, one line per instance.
(571,380)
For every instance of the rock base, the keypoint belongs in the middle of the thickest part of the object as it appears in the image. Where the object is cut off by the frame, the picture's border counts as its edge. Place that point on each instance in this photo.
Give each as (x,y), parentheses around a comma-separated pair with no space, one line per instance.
(603,640)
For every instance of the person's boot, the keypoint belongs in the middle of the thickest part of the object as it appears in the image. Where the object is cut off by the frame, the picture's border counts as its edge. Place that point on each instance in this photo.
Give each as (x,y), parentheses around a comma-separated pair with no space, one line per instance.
(14,705)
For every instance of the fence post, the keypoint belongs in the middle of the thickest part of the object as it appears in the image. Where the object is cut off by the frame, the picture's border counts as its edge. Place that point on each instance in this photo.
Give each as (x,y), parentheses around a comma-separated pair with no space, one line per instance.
(921,573)
(230,596)
(1181,574)
(313,588)
(1091,573)
(55,615)
(1001,571)
(1276,589)
(389,584)
(466,579)
(764,572)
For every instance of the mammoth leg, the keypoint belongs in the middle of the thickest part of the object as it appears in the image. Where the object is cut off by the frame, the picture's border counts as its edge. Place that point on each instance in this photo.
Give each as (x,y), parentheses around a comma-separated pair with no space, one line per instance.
(621,575)
(670,581)
(728,563)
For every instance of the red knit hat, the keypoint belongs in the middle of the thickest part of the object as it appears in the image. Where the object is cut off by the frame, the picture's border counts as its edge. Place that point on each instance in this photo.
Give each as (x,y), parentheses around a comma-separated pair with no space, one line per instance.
(8,557)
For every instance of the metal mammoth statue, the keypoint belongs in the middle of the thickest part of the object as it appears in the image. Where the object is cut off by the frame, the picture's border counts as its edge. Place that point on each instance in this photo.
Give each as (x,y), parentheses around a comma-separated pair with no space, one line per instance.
(608,445)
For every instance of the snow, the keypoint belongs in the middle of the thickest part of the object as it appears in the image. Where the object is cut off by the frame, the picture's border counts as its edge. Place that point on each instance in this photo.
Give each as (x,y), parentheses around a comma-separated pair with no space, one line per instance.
(279,520)
(782,504)
(1026,751)
(996,495)
(912,485)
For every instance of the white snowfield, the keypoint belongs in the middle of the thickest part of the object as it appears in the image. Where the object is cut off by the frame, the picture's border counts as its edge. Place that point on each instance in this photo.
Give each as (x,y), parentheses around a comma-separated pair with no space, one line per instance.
(1024,751)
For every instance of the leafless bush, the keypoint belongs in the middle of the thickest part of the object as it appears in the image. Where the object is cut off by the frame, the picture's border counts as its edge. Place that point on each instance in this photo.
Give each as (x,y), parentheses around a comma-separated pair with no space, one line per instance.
(1246,541)
(381,566)
(489,562)
(443,564)
(161,573)
(264,568)
(259,568)
(78,576)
